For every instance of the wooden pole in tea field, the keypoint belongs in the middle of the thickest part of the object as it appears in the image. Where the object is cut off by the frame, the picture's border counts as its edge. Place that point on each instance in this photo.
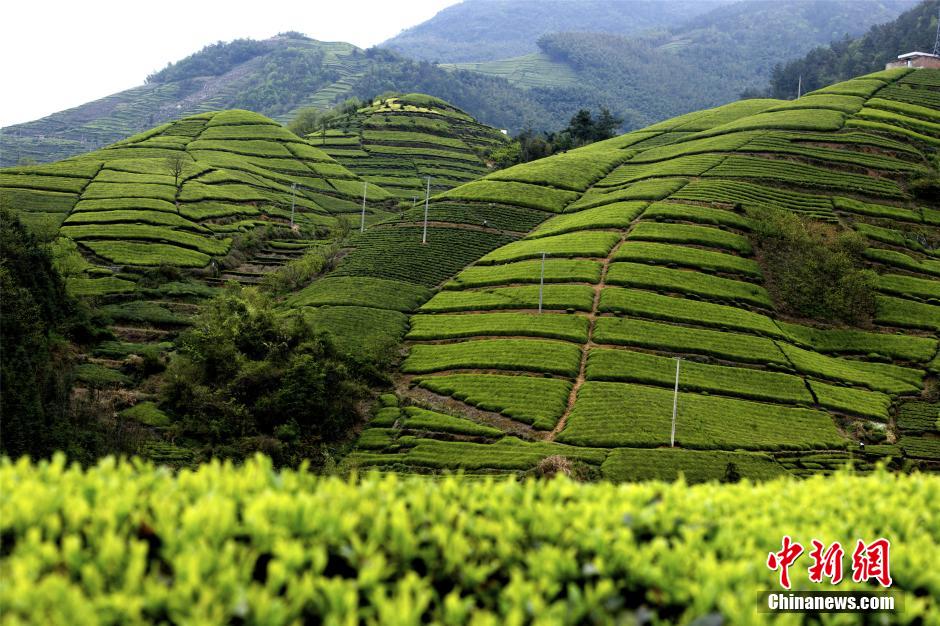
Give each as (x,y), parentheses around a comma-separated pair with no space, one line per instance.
(675,405)
(293,189)
(541,282)
(362,224)
(427,196)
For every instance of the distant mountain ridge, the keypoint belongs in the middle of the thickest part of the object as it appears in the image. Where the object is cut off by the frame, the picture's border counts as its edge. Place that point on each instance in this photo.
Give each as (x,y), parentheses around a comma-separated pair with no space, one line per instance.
(487,30)
(706,61)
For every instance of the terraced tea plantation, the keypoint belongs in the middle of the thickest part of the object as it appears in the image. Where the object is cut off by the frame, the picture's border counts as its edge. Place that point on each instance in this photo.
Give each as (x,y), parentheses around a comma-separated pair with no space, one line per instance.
(399,142)
(180,194)
(644,246)
(151,225)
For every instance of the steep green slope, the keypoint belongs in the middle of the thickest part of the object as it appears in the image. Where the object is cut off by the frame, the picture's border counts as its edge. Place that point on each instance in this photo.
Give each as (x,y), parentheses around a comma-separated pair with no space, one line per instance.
(649,256)
(398,142)
(915,29)
(178,196)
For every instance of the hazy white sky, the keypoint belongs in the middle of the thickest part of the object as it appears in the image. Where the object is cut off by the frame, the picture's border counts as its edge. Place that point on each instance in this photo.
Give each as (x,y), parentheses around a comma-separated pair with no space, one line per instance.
(56,55)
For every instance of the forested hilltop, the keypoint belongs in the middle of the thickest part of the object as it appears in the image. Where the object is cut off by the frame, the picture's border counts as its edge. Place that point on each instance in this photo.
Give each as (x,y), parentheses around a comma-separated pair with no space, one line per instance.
(914,30)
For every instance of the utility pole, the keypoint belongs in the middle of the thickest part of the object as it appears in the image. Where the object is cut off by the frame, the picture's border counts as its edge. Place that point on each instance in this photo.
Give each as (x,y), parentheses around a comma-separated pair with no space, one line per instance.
(675,405)
(541,282)
(362,224)
(293,190)
(936,42)
(427,196)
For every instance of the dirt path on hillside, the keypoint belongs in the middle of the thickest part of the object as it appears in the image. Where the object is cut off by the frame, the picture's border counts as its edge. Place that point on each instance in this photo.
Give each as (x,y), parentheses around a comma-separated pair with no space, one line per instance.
(592,322)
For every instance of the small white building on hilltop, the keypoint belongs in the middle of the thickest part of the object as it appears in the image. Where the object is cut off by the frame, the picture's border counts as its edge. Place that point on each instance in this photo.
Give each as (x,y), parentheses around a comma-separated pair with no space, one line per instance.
(919,60)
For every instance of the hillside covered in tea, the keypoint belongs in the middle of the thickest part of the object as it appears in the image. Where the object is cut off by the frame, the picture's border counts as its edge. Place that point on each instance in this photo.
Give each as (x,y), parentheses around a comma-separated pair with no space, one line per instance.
(177,195)
(399,142)
(660,244)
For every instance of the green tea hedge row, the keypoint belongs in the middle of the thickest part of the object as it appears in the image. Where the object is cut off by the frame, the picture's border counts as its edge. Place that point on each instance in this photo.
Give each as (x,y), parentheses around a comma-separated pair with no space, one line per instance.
(123,542)
(691,234)
(683,339)
(146,253)
(551,326)
(690,165)
(791,172)
(650,305)
(669,254)
(532,355)
(686,281)
(620,414)
(556,271)
(628,366)
(533,400)
(615,215)
(578,244)
(380,293)
(554,297)
(696,466)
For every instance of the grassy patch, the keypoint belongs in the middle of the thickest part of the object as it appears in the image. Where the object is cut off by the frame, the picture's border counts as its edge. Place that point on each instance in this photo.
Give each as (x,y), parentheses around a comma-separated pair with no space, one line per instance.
(533,355)
(690,234)
(556,271)
(616,215)
(512,193)
(655,306)
(854,401)
(671,255)
(628,366)
(684,281)
(554,297)
(907,313)
(617,414)
(529,399)
(875,376)
(551,326)
(682,339)
(580,244)
(379,293)
(696,466)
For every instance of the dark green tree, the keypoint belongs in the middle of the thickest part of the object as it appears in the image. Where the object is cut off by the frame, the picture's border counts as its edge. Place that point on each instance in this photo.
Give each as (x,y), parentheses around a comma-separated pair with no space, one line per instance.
(34,314)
